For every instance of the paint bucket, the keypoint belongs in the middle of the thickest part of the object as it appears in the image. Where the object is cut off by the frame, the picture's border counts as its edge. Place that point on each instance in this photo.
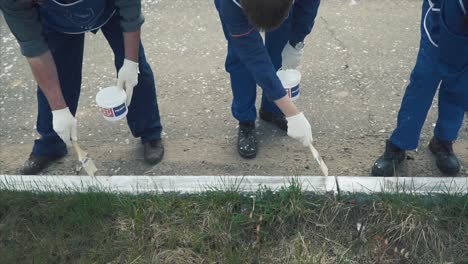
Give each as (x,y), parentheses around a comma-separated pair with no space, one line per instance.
(111,103)
(290,79)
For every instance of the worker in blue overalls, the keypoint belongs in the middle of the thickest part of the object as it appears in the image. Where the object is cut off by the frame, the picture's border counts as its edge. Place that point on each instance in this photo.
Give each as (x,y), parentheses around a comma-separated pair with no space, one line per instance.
(442,64)
(250,61)
(51,36)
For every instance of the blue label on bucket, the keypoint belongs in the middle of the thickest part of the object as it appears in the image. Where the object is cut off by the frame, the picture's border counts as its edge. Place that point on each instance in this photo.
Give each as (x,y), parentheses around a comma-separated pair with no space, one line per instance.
(119,110)
(295,91)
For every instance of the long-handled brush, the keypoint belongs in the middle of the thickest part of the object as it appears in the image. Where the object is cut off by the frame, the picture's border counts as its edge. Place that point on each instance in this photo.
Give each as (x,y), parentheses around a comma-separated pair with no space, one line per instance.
(86,162)
(319,160)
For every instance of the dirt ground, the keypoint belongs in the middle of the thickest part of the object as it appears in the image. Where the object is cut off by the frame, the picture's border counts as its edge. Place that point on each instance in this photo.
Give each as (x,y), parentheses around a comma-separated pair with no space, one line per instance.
(355,69)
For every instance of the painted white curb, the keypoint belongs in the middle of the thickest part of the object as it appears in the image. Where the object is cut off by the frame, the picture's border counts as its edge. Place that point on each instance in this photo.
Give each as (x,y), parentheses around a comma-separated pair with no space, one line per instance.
(196,184)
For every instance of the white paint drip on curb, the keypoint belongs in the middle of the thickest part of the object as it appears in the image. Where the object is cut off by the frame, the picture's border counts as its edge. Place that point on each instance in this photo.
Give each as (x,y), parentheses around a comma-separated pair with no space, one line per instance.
(196,184)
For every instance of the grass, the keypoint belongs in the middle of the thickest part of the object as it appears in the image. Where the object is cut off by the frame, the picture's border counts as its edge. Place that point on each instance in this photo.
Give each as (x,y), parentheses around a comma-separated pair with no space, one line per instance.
(286,226)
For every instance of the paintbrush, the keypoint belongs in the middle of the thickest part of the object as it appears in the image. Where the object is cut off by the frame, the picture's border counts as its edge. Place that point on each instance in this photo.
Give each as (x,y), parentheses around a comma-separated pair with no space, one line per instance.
(319,159)
(86,162)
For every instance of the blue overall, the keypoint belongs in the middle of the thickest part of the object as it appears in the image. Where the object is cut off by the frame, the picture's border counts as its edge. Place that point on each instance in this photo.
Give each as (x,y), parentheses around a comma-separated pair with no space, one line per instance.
(64,26)
(250,62)
(442,63)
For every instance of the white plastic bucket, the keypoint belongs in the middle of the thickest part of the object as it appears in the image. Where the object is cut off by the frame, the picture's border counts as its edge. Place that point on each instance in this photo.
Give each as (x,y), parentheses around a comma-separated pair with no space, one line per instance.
(111,103)
(290,79)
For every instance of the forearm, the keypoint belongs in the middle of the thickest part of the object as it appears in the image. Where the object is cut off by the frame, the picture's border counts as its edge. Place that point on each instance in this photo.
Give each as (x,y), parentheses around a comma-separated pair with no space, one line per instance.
(287,106)
(132,45)
(45,72)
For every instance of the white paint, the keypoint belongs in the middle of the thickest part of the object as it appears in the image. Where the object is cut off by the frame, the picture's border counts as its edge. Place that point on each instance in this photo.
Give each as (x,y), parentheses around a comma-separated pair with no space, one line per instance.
(196,184)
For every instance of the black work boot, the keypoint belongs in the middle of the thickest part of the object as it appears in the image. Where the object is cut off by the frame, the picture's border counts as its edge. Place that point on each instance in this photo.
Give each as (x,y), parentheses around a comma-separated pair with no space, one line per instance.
(37,163)
(246,141)
(388,163)
(277,119)
(446,160)
(153,151)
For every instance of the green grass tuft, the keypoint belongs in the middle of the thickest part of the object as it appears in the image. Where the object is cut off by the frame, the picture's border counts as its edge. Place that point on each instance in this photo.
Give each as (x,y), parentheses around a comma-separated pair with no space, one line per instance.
(284,226)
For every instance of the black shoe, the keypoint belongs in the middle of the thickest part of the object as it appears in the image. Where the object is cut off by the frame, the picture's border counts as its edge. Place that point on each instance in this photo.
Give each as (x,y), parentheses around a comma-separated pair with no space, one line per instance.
(389,162)
(37,163)
(246,141)
(153,151)
(446,160)
(277,119)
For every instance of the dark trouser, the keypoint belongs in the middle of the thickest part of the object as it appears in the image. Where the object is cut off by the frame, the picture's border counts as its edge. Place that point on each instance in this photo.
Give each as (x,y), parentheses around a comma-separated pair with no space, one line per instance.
(244,86)
(67,50)
(429,72)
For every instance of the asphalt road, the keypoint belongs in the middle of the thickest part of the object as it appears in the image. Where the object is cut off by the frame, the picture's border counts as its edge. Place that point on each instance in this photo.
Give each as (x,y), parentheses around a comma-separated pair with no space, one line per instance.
(355,69)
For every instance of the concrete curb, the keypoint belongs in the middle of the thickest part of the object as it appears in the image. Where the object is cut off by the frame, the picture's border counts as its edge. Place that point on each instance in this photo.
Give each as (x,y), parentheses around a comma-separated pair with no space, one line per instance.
(196,184)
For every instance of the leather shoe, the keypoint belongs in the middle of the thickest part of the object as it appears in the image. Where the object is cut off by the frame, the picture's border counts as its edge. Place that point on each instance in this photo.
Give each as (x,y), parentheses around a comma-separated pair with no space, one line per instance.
(37,163)
(153,151)
(277,119)
(388,163)
(446,160)
(246,141)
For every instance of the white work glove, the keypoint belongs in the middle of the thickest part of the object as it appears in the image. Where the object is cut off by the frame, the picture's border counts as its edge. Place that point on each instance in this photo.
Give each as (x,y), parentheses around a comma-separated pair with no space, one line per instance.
(291,57)
(64,125)
(128,78)
(300,129)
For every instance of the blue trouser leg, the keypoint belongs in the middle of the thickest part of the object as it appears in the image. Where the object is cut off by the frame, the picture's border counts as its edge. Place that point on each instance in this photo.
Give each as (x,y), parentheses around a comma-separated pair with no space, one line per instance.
(420,92)
(275,41)
(427,74)
(143,114)
(451,111)
(416,102)
(244,89)
(244,86)
(67,51)
(453,96)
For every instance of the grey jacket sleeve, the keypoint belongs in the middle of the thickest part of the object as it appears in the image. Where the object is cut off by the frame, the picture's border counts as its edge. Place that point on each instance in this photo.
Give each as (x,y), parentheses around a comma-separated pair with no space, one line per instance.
(23,20)
(131,17)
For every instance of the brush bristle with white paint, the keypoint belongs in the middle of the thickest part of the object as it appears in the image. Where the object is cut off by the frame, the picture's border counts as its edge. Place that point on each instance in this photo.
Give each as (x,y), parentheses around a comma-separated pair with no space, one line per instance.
(86,162)
(319,160)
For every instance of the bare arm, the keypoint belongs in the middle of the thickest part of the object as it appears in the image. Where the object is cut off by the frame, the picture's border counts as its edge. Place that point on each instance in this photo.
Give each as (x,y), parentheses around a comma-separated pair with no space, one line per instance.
(131,20)
(45,72)
(287,106)
(132,45)
(23,20)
